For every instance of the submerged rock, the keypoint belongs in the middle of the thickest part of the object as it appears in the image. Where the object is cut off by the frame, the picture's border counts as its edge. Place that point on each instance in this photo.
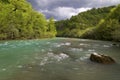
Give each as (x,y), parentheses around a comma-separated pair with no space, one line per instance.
(114,44)
(100,58)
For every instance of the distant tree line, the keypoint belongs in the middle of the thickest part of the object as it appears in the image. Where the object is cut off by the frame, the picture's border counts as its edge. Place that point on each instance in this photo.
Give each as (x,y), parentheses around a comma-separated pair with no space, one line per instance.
(19,21)
(97,23)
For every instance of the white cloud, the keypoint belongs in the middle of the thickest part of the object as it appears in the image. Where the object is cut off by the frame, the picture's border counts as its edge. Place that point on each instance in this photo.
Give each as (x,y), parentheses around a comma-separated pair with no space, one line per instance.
(67,12)
(64,12)
(62,9)
(82,9)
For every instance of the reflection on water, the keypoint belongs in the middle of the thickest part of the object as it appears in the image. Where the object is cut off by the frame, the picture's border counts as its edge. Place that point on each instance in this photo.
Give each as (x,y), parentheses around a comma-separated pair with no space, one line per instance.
(57,59)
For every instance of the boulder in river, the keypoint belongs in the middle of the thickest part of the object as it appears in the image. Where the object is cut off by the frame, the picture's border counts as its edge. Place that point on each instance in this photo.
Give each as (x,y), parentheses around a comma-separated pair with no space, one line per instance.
(100,58)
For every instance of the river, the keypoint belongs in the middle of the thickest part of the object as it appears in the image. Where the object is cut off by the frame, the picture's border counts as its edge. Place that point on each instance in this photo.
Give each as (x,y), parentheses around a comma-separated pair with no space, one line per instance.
(57,59)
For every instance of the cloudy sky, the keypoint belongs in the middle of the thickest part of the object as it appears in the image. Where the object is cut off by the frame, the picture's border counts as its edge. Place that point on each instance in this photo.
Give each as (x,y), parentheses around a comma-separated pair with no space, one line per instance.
(62,9)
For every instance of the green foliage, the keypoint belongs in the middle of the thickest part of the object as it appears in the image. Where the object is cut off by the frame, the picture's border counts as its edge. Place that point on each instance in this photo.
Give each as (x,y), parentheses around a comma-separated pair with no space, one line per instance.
(103,31)
(4,1)
(116,34)
(51,27)
(19,21)
(77,25)
(101,24)
(108,29)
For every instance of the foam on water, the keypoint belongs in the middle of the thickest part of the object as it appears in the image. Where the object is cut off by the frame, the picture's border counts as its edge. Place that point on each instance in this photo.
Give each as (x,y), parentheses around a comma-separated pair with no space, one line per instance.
(91,50)
(44,61)
(4,69)
(84,58)
(43,50)
(107,46)
(63,56)
(62,44)
(83,44)
(19,66)
(48,43)
(4,44)
(76,49)
(58,57)
(67,44)
(57,45)
(51,57)
(67,58)
(30,67)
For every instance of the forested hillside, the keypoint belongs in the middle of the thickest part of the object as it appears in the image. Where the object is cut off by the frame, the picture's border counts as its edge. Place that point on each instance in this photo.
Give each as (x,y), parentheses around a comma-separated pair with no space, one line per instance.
(77,25)
(101,23)
(108,28)
(19,21)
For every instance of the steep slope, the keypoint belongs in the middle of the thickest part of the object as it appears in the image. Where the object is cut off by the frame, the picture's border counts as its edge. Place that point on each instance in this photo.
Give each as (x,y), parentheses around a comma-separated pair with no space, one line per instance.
(107,29)
(77,25)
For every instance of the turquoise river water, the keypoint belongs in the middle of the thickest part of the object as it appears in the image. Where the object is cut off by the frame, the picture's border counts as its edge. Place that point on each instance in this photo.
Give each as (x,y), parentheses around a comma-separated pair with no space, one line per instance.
(57,59)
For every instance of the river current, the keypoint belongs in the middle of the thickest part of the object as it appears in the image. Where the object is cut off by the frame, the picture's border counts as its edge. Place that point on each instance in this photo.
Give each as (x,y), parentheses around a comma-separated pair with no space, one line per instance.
(57,59)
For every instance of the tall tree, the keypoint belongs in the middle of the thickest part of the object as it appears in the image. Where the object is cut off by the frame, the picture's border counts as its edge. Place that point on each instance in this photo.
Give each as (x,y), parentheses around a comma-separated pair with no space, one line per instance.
(51,27)
(19,21)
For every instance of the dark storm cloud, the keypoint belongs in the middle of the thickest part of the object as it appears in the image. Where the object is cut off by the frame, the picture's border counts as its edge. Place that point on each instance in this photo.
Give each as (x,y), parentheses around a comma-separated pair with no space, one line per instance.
(62,9)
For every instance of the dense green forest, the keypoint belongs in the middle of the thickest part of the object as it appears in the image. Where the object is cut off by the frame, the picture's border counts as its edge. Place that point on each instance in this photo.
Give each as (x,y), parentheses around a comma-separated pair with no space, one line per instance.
(19,21)
(97,23)
(108,28)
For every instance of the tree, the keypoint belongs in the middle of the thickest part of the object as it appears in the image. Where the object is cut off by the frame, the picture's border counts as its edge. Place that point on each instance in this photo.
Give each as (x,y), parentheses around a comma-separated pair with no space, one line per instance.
(77,25)
(108,28)
(51,27)
(19,21)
